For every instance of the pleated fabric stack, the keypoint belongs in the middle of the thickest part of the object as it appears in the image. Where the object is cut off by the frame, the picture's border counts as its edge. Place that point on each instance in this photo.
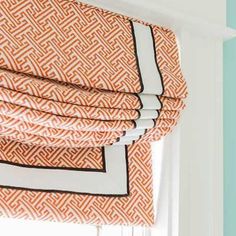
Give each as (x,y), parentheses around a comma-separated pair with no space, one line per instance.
(83,92)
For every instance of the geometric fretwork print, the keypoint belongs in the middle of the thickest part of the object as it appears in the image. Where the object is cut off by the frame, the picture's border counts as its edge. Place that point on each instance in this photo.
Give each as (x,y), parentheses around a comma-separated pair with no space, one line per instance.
(137,208)
(54,48)
(20,153)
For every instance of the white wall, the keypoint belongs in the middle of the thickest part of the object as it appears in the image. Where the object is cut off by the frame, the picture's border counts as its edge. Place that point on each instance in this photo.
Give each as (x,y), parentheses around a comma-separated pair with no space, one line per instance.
(201,138)
(213,11)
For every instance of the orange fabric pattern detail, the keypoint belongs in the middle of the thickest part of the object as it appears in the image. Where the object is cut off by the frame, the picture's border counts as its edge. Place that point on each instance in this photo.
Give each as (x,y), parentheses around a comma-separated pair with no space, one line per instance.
(66,93)
(136,209)
(49,156)
(70,84)
(102,56)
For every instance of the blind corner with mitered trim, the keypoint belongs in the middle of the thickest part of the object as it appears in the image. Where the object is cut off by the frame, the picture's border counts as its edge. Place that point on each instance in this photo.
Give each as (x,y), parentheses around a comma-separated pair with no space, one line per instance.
(83,93)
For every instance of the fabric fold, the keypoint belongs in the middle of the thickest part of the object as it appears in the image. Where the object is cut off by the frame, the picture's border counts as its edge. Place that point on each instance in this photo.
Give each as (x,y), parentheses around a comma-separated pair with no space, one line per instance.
(83,92)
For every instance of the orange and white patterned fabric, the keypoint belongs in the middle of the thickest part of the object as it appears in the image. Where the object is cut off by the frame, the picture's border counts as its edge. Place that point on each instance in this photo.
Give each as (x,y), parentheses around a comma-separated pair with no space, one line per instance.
(135,209)
(83,92)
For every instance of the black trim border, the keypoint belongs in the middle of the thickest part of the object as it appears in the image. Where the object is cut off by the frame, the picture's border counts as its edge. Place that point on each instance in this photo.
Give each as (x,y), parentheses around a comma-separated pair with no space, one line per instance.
(155,57)
(80,193)
(139,71)
(136,56)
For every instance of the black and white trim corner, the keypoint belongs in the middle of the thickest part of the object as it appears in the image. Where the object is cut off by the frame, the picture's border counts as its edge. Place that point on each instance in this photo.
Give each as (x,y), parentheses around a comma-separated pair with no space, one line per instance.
(145,52)
(114,182)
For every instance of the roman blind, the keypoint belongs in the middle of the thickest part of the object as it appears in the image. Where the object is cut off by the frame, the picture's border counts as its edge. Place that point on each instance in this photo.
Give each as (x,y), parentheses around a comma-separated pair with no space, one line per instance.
(83,93)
